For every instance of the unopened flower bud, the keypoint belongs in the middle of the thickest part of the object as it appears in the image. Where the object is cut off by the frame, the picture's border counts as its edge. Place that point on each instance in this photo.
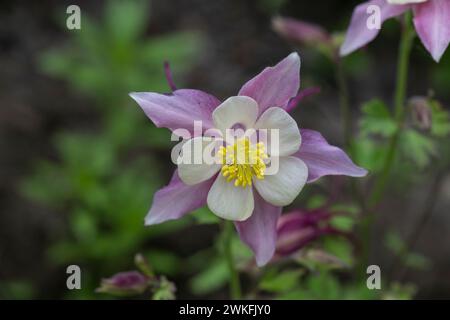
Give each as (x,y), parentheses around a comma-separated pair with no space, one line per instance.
(305,33)
(143,265)
(124,284)
(300,31)
(298,228)
(421,111)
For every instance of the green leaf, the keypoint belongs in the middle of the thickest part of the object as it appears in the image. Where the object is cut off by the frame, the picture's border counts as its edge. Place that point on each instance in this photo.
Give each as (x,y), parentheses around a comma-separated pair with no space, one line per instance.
(440,120)
(125,20)
(394,242)
(417,261)
(187,44)
(377,119)
(399,291)
(349,208)
(280,281)
(47,185)
(163,261)
(369,154)
(341,222)
(339,247)
(165,290)
(323,285)
(83,226)
(316,201)
(211,279)
(417,147)
(399,247)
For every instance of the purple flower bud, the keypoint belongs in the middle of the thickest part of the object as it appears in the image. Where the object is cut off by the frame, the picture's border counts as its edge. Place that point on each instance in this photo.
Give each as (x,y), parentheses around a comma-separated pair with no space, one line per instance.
(300,31)
(421,111)
(298,228)
(126,283)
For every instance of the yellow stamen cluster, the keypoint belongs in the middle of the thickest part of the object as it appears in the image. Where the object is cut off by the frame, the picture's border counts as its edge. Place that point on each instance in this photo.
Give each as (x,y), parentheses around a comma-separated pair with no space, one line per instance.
(243,160)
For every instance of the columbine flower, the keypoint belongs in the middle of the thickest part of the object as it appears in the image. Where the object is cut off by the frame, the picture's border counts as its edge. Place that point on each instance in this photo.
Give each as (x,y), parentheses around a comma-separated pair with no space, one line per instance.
(233,190)
(431,20)
(127,283)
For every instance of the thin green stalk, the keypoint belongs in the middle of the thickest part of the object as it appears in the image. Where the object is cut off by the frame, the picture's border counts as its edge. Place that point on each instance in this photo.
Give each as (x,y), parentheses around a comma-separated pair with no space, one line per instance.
(344,104)
(365,229)
(346,122)
(235,286)
(402,67)
(399,103)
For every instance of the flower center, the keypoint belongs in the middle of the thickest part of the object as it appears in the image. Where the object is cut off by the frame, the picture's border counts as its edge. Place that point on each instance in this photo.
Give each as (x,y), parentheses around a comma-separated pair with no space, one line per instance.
(242,161)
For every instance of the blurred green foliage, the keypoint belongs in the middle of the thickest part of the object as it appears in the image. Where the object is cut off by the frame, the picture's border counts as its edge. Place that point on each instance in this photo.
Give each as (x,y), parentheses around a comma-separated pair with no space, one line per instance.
(399,248)
(104,178)
(107,60)
(417,147)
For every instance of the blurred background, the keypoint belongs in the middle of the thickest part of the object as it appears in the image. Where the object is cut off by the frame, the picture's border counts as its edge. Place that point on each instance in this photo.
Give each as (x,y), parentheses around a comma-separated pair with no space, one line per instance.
(80,162)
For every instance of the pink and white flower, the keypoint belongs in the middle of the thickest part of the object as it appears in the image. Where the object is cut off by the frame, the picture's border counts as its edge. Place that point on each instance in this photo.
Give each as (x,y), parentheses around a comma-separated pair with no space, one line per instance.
(431,20)
(237,191)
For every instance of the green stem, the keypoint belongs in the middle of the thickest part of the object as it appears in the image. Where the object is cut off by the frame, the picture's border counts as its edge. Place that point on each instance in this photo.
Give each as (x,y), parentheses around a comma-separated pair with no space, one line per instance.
(402,67)
(365,229)
(235,286)
(344,104)
(399,102)
(346,121)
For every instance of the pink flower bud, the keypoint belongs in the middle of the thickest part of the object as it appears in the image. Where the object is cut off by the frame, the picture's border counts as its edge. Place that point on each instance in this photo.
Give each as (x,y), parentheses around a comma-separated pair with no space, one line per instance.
(300,31)
(421,111)
(126,283)
(298,228)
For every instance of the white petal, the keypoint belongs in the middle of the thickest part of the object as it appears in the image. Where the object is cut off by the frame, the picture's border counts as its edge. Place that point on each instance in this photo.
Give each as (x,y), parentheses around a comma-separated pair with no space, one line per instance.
(197,160)
(235,110)
(289,135)
(283,187)
(230,202)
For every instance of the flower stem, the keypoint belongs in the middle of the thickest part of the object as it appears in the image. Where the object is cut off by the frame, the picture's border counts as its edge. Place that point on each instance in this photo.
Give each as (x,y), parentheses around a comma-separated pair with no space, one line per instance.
(235,286)
(402,67)
(347,125)
(344,104)
(399,103)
